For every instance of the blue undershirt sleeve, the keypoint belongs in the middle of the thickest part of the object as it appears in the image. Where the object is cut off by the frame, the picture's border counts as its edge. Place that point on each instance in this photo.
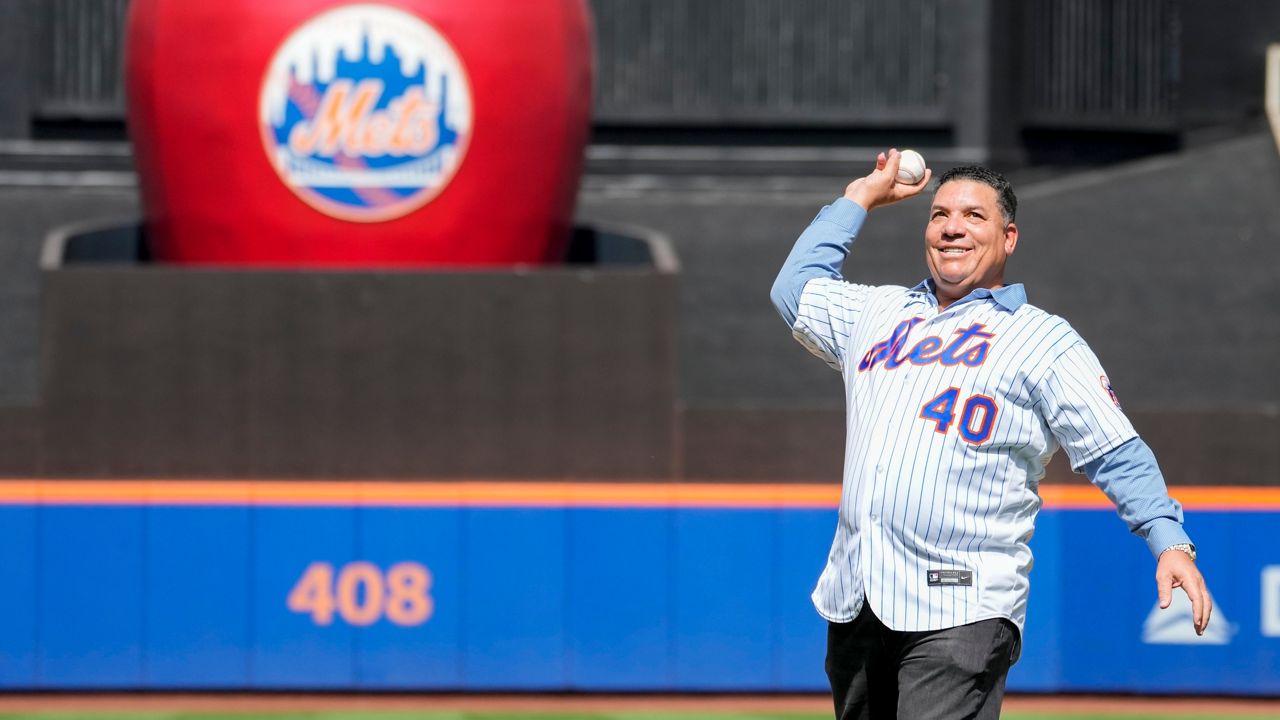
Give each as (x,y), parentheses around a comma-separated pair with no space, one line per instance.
(1130,477)
(819,252)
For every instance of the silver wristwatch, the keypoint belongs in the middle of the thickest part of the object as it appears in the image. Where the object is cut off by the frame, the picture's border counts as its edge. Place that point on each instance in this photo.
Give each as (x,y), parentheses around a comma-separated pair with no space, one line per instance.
(1187,548)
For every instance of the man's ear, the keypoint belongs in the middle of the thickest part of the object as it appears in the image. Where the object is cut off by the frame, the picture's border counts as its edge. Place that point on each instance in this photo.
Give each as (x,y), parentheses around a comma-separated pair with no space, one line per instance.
(1010,238)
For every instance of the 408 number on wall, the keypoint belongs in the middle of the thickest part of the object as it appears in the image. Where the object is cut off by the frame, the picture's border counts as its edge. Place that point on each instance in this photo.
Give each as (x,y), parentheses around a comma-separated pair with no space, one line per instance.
(362,594)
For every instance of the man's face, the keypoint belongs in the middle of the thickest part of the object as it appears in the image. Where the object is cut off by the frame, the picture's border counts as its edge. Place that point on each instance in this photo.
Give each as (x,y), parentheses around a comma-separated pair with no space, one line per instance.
(966,240)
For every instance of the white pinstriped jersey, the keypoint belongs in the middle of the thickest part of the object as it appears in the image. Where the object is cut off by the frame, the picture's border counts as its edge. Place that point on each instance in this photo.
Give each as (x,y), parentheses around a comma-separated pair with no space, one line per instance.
(952,417)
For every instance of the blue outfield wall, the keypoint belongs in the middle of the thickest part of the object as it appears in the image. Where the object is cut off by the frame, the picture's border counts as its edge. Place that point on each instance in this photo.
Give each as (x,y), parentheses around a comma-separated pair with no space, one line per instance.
(167,597)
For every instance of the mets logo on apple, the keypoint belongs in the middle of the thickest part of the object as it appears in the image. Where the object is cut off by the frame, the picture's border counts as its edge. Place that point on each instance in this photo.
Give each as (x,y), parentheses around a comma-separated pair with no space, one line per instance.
(365,112)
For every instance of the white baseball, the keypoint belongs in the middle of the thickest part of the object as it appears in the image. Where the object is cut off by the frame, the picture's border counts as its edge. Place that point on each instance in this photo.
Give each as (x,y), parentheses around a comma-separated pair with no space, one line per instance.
(910,167)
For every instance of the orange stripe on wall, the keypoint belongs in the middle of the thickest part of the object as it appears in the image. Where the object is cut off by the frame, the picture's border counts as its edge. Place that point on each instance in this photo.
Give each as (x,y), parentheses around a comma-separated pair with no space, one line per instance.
(416,494)
(1195,497)
(533,494)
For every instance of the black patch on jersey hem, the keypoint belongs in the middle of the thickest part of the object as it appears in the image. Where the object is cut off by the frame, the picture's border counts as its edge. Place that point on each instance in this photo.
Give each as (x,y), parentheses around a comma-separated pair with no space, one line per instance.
(939,578)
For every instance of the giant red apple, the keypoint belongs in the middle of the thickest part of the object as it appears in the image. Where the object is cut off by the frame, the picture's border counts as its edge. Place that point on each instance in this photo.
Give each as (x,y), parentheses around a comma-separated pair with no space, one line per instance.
(324,133)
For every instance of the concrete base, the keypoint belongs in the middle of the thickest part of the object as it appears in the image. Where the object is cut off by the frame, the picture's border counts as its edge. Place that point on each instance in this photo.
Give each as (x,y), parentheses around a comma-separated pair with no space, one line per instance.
(162,371)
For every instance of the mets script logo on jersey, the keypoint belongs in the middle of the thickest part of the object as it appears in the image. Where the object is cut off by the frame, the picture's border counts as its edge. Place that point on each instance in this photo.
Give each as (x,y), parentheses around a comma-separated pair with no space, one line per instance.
(365,112)
(968,347)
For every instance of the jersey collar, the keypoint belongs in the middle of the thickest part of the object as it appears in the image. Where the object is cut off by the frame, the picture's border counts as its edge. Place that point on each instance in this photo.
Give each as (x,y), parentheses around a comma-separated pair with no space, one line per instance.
(1009,297)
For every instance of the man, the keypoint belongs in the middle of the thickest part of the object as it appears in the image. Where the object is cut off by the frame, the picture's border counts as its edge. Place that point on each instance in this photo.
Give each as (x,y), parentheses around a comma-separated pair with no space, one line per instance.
(958,392)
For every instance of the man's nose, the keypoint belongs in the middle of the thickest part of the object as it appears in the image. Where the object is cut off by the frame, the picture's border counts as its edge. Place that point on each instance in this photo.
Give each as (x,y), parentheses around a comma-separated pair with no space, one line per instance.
(953,227)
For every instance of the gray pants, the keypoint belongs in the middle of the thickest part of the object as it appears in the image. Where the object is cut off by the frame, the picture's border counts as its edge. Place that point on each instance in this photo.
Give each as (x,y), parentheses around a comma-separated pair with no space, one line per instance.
(877,673)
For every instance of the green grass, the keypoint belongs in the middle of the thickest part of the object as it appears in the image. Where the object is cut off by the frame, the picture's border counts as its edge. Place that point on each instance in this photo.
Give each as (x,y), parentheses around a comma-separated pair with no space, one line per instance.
(324,715)
(1092,716)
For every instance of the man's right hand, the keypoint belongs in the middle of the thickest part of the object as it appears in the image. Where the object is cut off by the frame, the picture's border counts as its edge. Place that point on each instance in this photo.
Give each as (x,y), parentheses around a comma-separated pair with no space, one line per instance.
(881,187)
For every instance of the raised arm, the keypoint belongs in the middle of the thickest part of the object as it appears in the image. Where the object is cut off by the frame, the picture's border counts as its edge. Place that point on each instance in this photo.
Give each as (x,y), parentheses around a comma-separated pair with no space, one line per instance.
(822,247)
(818,253)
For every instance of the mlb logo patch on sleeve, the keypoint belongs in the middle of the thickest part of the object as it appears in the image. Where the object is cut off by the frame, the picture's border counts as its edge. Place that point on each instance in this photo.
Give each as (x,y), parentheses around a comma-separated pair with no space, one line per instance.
(950,577)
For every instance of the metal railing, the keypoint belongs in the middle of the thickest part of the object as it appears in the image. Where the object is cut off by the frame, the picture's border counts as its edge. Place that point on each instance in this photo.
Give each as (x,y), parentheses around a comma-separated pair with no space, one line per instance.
(81,59)
(1112,63)
(734,62)
(761,63)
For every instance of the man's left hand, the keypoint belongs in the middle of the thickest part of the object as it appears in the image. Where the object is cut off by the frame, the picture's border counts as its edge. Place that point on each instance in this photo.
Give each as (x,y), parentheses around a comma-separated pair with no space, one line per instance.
(1176,569)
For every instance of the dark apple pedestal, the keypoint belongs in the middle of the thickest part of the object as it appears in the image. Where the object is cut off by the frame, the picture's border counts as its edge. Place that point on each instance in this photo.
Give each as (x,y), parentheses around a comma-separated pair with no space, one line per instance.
(555,371)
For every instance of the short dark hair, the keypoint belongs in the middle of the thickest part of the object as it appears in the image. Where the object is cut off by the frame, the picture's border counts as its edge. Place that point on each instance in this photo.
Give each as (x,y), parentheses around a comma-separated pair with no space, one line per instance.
(1005,198)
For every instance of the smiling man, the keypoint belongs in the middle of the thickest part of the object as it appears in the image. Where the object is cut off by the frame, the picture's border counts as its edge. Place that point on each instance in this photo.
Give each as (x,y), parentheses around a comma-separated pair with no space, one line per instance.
(958,392)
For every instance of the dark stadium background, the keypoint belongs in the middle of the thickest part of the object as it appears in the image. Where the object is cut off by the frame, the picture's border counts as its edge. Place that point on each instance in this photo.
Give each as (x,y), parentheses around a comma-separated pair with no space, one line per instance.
(1133,130)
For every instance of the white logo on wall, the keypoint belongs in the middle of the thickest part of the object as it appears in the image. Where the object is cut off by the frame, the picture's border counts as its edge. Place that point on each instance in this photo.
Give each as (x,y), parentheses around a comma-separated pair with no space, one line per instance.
(1173,625)
(1271,601)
